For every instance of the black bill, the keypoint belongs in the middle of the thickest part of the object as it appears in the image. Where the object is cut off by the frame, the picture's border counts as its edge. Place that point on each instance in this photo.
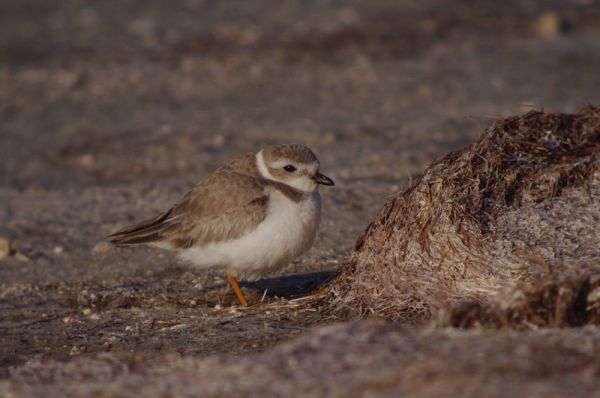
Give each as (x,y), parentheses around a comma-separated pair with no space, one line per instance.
(323,179)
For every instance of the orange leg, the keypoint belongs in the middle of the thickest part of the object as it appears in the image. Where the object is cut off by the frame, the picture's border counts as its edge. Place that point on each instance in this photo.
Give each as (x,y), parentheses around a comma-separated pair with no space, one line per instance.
(236,288)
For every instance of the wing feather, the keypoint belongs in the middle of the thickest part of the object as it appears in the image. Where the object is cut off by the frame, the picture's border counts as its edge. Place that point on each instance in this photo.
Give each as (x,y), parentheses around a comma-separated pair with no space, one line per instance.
(223,207)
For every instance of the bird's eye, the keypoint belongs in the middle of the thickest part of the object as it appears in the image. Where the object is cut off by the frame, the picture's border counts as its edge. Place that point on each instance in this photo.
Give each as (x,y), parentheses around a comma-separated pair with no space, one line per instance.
(289,168)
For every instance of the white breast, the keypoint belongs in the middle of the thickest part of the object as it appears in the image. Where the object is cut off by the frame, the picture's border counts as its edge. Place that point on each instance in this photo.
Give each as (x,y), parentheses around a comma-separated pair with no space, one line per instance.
(287,231)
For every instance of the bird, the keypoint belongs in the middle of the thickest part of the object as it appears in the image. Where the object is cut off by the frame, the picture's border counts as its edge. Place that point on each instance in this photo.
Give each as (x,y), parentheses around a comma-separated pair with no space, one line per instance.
(250,217)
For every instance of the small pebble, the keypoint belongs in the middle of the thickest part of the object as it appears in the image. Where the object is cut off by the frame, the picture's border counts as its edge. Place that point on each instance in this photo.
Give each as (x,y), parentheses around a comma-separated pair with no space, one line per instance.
(218,140)
(4,248)
(86,160)
(102,248)
(549,25)
(21,257)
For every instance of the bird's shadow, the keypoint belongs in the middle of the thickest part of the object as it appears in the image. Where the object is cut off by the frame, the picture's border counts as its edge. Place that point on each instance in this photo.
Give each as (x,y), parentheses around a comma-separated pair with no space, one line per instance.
(286,286)
(290,286)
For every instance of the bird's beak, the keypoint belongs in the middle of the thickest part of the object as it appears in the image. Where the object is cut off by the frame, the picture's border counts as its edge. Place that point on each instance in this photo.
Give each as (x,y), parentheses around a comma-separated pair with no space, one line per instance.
(323,179)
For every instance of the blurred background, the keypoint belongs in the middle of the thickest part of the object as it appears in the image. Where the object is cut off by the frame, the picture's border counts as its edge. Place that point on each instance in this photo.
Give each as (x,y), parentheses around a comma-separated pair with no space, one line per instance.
(110,110)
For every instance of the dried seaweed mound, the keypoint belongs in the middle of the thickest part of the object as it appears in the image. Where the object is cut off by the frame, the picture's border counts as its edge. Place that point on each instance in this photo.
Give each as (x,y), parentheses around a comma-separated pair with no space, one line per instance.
(558,299)
(516,211)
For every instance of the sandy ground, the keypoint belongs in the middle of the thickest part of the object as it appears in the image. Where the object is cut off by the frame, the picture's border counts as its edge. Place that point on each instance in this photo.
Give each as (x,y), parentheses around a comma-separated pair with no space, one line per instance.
(111,110)
(350,360)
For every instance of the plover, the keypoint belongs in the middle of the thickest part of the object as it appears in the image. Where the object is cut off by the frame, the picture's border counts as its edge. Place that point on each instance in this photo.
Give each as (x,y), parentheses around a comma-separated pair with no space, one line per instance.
(251,216)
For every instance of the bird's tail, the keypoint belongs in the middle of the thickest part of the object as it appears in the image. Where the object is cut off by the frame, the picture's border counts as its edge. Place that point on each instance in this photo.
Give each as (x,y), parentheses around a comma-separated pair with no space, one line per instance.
(147,231)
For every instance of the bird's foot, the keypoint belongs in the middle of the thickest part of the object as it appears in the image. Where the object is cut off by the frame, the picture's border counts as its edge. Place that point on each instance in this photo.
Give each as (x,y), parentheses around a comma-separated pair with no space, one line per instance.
(236,288)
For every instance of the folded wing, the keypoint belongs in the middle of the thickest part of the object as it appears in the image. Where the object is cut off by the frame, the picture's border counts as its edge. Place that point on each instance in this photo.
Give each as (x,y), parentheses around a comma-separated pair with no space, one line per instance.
(223,207)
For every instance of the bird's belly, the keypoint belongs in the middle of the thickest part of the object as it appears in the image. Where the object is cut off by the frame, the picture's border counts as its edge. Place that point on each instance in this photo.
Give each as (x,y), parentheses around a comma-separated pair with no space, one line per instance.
(287,231)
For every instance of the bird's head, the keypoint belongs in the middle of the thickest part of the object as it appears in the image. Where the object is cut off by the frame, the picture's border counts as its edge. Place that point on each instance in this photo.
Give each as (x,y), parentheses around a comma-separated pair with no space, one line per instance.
(292,164)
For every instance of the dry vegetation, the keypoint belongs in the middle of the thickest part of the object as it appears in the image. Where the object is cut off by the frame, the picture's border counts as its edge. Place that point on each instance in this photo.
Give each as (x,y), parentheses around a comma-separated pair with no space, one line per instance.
(502,232)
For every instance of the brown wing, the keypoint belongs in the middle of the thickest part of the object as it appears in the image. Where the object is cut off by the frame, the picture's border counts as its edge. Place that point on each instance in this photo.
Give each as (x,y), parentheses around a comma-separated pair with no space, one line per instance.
(223,207)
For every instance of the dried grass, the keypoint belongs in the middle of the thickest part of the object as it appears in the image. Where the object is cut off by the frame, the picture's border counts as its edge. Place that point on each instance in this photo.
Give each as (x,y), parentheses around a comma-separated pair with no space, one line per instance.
(515,211)
(568,298)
